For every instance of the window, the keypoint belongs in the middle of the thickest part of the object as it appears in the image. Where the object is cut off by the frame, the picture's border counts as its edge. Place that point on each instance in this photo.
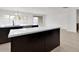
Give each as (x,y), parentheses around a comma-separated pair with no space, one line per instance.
(35,20)
(38,20)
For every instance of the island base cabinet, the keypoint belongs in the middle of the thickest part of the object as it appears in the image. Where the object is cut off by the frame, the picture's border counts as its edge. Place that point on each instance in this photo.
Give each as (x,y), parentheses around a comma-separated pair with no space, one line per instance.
(36,42)
(4,36)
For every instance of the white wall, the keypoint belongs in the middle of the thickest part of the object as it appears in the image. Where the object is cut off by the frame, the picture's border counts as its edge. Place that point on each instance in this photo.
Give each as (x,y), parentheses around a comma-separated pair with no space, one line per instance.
(50,13)
(68,19)
(6,21)
(72,17)
(64,17)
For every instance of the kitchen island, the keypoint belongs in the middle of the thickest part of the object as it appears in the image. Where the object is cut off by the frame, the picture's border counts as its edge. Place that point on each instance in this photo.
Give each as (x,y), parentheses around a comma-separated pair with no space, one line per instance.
(39,39)
(4,32)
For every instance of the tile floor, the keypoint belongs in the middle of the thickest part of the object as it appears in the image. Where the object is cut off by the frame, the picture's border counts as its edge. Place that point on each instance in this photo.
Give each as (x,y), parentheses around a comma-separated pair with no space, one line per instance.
(69,42)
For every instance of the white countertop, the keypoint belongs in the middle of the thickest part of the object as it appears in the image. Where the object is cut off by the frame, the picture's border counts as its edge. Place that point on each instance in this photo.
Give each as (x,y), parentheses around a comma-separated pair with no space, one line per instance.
(25,31)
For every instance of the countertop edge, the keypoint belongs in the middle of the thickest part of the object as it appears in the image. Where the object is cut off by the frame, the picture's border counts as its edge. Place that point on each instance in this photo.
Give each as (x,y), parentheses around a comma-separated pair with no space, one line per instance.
(21,34)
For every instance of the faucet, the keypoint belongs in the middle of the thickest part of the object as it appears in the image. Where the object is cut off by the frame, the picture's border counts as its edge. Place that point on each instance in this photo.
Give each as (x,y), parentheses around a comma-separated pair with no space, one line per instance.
(13,22)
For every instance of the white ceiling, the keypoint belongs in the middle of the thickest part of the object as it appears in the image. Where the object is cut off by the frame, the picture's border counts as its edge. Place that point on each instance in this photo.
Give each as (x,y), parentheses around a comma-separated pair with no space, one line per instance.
(36,10)
(24,9)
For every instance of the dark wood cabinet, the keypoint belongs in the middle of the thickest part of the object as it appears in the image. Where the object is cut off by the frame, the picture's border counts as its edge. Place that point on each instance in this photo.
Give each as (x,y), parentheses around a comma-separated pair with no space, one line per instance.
(52,39)
(37,42)
(4,36)
(4,32)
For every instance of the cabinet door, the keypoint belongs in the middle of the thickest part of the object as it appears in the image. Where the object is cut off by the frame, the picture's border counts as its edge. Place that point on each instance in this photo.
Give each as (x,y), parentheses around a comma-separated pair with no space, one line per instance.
(4,35)
(52,39)
(28,43)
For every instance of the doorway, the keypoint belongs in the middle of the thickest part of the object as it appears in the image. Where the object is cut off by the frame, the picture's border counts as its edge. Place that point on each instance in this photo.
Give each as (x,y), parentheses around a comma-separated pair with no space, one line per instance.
(77,23)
